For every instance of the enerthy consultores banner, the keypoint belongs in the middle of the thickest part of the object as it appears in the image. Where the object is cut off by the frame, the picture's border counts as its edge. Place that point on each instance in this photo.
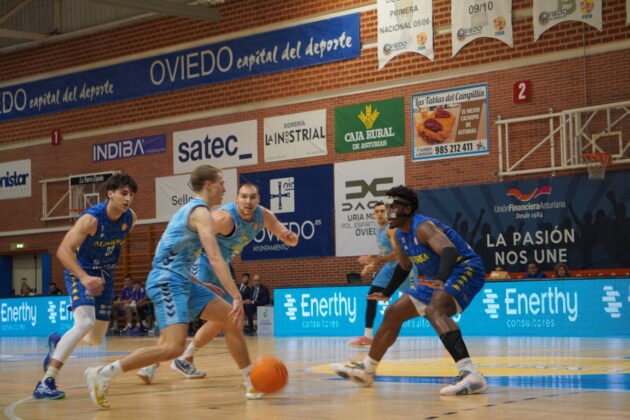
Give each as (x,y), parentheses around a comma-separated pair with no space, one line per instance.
(299,46)
(571,219)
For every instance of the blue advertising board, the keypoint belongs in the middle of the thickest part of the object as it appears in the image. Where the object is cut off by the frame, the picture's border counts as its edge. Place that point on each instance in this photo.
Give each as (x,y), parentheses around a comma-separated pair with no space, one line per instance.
(301,198)
(569,219)
(305,45)
(34,316)
(560,308)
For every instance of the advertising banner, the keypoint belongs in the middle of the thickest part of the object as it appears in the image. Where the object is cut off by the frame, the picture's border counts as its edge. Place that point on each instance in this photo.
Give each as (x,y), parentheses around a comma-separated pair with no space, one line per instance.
(35,316)
(370,126)
(295,136)
(15,179)
(472,19)
(404,26)
(223,146)
(450,123)
(172,192)
(301,198)
(569,219)
(359,185)
(305,45)
(560,308)
(547,14)
(121,149)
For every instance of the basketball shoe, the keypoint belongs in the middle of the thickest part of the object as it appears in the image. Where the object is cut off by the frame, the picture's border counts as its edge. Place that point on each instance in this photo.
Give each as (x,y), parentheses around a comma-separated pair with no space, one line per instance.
(355,372)
(361,342)
(147,373)
(53,339)
(187,369)
(98,385)
(47,390)
(466,383)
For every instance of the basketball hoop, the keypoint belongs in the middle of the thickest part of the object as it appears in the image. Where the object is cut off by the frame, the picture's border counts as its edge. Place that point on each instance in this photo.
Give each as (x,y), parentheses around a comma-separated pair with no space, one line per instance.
(596,164)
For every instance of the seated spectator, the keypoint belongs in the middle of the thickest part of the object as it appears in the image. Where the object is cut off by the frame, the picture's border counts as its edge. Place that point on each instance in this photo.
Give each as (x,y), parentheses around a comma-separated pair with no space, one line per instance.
(561,270)
(121,299)
(25,290)
(146,312)
(135,305)
(244,286)
(259,297)
(499,273)
(533,272)
(53,290)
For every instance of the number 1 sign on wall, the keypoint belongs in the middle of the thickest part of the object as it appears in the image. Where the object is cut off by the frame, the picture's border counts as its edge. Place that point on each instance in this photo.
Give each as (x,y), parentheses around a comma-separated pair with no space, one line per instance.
(522,91)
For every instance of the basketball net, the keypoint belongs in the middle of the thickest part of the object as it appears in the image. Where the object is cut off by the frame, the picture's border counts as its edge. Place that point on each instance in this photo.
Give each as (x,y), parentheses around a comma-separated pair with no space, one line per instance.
(596,164)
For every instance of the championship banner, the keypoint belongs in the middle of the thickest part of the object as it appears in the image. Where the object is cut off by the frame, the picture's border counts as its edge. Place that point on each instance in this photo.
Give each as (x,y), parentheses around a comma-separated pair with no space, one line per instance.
(472,19)
(547,14)
(450,123)
(172,192)
(301,199)
(295,136)
(223,146)
(15,179)
(404,26)
(370,126)
(359,185)
(568,219)
(311,44)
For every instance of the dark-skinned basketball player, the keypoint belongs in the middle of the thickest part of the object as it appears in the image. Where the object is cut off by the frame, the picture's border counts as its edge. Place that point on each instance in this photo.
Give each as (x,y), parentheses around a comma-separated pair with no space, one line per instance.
(453,274)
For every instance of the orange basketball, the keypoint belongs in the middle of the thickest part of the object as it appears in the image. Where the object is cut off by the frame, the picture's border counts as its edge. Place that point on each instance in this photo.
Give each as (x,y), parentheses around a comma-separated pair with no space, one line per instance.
(268,375)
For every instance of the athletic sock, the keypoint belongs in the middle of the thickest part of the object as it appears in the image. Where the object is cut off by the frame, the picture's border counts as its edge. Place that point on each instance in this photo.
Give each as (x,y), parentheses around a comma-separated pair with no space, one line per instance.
(370,364)
(190,351)
(111,370)
(51,372)
(466,364)
(368,333)
(454,343)
(245,372)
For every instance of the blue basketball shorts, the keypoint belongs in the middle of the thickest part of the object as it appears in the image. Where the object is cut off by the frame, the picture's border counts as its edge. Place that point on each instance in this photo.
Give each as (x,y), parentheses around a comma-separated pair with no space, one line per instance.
(79,295)
(176,300)
(204,272)
(465,282)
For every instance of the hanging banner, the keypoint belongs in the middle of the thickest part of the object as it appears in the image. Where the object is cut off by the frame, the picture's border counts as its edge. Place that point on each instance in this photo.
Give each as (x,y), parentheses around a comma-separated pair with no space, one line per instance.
(172,192)
(300,198)
(472,19)
(450,123)
(300,46)
(295,136)
(359,185)
(568,219)
(15,179)
(370,126)
(223,146)
(547,14)
(404,26)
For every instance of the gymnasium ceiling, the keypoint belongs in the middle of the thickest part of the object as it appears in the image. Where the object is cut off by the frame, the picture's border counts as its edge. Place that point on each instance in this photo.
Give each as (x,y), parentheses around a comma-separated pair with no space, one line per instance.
(31,23)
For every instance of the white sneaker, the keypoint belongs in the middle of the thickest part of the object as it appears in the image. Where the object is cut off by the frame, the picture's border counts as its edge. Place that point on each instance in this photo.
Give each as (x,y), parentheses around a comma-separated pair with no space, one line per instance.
(187,369)
(98,386)
(254,394)
(466,383)
(147,373)
(355,372)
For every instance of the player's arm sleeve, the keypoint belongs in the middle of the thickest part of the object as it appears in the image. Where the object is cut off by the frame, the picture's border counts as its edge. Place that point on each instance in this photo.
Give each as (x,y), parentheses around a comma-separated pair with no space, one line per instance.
(448,260)
(399,276)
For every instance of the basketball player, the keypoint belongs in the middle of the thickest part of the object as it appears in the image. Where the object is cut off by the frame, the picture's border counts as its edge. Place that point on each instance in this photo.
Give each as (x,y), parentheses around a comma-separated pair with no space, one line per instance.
(454,274)
(236,225)
(178,299)
(387,258)
(89,252)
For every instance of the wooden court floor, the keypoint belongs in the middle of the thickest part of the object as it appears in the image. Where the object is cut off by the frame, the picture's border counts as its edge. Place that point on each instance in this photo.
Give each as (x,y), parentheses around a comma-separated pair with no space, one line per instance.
(530,378)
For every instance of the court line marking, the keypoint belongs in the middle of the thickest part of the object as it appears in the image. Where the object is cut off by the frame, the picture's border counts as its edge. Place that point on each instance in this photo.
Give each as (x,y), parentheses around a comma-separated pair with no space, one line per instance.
(9,410)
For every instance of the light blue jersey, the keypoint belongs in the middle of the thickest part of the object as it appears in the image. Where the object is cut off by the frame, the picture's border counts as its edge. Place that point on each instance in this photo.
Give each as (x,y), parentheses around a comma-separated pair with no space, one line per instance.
(230,245)
(467,277)
(176,298)
(98,256)
(384,275)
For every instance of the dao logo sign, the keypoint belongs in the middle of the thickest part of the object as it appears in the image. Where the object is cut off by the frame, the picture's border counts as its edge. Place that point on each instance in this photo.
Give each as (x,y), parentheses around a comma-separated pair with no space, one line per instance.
(516,193)
(291,309)
(282,195)
(360,188)
(223,146)
(492,308)
(610,298)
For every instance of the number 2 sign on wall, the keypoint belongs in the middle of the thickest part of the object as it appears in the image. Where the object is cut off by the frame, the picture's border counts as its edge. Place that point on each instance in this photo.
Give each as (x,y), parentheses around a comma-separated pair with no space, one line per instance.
(522,91)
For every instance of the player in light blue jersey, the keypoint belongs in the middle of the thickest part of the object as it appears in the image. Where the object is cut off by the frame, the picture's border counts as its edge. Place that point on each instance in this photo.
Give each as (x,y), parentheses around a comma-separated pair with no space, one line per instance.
(89,252)
(177,298)
(453,275)
(237,224)
(387,259)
